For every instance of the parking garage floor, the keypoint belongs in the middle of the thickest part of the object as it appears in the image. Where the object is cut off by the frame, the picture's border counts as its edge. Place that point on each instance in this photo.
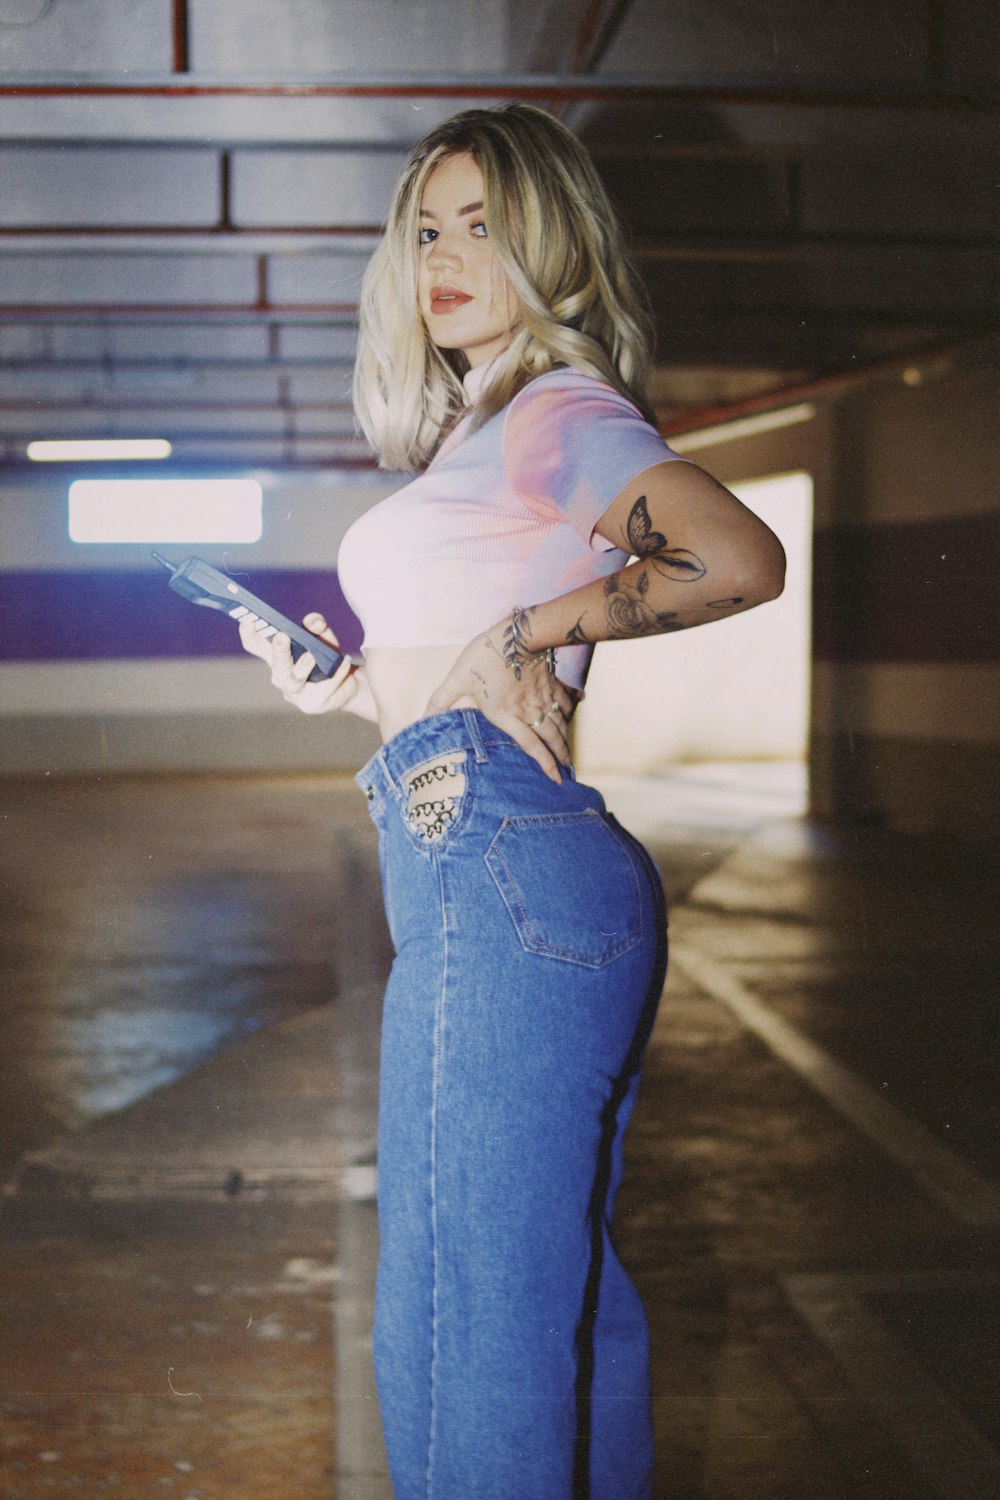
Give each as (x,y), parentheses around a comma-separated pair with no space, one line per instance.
(189,1040)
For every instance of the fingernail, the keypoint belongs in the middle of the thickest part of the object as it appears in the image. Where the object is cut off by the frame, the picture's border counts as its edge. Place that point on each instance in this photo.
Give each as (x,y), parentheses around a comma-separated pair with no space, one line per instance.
(313,622)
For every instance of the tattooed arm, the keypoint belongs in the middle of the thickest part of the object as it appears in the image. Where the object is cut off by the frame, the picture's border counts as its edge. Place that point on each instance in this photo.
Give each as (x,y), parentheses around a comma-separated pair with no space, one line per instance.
(700,555)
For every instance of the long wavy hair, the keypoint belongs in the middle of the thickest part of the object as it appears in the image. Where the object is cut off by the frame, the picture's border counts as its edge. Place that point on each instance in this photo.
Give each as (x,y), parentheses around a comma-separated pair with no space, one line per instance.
(556,239)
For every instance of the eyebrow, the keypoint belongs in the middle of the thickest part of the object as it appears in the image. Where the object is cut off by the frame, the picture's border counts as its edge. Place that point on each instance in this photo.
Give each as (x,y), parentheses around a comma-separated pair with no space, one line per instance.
(468,208)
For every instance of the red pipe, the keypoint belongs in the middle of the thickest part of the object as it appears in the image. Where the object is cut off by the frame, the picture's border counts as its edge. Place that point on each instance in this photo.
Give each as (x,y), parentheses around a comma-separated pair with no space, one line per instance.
(181,38)
(360,231)
(693,420)
(122,404)
(629,91)
(96,311)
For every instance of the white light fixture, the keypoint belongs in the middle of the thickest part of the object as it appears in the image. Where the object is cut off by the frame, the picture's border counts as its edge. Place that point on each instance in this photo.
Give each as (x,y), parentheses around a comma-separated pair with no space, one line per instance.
(165,510)
(727,432)
(89,449)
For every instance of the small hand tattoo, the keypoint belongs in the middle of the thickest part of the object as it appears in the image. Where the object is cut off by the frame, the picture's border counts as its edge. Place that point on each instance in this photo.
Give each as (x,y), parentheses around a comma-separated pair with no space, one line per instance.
(577,636)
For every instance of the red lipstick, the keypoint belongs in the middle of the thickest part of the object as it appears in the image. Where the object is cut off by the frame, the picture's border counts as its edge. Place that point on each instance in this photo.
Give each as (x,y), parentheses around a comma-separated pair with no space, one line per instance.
(445,299)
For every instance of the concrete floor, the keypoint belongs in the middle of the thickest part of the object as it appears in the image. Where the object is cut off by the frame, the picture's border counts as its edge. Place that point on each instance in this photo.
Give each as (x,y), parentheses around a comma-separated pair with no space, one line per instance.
(189,1040)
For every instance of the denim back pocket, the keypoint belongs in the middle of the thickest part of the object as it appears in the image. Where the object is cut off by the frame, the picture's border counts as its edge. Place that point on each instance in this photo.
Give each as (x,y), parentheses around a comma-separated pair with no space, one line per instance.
(570,886)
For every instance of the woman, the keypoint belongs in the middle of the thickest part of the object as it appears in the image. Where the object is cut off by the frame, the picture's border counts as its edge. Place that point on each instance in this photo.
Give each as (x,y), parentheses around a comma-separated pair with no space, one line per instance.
(502,354)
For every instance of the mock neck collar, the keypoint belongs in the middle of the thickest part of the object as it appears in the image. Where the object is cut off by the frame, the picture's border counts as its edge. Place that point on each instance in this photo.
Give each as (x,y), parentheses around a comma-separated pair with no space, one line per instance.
(474,381)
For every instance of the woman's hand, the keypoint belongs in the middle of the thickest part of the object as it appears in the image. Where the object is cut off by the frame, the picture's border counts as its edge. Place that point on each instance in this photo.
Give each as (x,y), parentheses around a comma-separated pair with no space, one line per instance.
(515,690)
(291,677)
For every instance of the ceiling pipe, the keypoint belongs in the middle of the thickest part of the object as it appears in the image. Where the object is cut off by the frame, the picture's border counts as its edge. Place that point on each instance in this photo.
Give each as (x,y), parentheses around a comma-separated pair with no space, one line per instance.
(594,35)
(193,403)
(537,87)
(222,230)
(181,37)
(277,239)
(694,419)
(94,312)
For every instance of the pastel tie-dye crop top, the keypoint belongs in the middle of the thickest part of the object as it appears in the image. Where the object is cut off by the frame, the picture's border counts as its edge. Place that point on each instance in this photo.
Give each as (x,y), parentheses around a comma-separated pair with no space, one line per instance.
(501,517)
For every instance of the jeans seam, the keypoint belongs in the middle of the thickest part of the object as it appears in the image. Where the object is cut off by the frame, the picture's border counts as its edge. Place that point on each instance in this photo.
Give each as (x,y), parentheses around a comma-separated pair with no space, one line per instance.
(439,1020)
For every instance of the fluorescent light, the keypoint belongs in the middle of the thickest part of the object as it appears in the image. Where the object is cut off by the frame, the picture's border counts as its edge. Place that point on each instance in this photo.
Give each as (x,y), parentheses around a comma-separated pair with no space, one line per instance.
(88,449)
(726,432)
(165,510)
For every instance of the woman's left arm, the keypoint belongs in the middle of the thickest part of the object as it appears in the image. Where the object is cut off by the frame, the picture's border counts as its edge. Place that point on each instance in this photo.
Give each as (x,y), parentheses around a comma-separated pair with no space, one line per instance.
(700,555)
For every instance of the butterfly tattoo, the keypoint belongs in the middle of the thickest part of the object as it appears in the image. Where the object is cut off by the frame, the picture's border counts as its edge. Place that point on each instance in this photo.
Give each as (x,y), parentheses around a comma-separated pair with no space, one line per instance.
(671,562)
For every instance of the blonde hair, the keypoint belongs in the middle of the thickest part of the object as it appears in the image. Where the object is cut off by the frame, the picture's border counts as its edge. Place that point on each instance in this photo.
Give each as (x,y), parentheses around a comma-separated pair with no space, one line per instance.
(556,239)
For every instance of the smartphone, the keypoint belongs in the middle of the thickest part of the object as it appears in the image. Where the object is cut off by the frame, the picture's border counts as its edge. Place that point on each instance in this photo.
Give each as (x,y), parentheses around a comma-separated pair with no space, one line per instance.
(198,581)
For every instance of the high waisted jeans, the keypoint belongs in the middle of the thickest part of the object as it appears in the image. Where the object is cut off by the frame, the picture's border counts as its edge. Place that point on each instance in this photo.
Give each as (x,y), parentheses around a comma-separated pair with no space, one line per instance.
(511,1349)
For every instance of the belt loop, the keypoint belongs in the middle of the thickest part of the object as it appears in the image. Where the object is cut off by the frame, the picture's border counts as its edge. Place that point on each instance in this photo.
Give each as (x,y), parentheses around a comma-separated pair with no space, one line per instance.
(475,734)
(387,782)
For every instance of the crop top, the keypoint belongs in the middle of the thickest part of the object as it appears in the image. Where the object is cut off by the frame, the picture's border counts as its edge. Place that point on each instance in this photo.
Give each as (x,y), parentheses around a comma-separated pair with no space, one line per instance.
(501,517)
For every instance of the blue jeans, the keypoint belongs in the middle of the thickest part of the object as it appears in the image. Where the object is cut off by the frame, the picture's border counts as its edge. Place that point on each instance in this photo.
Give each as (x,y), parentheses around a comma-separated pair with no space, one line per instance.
(511,1349)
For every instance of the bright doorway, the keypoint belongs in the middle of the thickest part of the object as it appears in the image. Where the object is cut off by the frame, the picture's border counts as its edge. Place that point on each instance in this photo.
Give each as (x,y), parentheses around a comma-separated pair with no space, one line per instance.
(734,695)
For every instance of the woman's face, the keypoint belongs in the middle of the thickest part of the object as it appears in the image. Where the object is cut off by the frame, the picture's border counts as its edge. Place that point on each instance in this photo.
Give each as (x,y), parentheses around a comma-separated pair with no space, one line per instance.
(465,299)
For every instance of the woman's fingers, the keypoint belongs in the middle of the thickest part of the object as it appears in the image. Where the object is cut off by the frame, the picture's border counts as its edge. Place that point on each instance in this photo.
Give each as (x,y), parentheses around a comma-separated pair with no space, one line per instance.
(290,675)
(553,732)
(315,697)
(565,698)
(251,638)
(544,737)
(532,744)
(316,623)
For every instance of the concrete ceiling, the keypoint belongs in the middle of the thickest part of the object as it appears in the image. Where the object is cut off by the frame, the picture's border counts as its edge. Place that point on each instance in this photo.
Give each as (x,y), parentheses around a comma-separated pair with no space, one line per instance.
(189,190)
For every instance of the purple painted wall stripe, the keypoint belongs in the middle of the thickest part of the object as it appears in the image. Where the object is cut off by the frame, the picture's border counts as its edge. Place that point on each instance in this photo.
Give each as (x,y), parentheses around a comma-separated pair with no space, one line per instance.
(922,591)
(115,615)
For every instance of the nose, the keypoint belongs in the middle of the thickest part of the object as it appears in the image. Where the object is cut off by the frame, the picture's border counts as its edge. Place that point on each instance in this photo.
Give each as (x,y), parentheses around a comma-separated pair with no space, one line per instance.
(444,252)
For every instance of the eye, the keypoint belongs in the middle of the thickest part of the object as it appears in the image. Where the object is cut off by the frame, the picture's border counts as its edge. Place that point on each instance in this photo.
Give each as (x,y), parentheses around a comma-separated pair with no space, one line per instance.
(479,230)
(426,236)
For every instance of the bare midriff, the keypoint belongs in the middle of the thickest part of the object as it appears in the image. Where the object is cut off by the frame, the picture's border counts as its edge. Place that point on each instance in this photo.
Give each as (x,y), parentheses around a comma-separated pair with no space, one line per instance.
(402,678)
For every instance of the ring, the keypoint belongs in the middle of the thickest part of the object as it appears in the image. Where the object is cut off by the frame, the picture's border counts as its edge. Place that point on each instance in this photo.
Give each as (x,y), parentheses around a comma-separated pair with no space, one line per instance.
(537,723)
(553,708)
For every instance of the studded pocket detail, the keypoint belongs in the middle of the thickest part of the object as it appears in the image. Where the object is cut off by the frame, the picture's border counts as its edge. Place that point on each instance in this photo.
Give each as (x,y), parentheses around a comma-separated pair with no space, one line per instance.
(435,791)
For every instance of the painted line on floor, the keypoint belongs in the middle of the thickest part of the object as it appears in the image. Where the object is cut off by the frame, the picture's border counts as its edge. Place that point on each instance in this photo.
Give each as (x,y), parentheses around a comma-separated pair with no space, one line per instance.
(70,1174)
(925,1423)
(941,1174)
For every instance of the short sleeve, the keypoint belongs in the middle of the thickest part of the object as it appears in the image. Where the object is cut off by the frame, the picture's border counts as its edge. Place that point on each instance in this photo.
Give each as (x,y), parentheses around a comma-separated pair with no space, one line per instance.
(572,444)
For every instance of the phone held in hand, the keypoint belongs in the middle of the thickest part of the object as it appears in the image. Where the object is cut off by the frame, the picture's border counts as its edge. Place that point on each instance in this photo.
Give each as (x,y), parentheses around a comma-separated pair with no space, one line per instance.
(198,581)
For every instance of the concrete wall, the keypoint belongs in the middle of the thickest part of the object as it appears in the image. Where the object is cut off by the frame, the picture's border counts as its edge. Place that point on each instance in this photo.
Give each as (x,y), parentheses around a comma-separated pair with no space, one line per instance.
(103,668)
(907,656)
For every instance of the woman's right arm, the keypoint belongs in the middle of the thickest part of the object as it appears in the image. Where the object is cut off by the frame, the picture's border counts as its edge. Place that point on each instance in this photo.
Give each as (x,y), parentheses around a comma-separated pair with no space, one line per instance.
(347,689)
